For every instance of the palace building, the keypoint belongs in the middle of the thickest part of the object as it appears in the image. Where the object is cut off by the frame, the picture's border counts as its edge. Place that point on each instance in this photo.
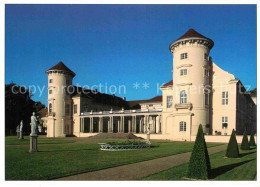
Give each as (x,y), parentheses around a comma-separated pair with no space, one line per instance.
(199,93)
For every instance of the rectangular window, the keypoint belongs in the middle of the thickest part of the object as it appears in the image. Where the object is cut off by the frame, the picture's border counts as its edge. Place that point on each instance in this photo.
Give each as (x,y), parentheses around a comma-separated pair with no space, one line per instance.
(183,72)
(75,109)
(184,56)
(206,56)
(206,72)
(50,81)
(67,109)
(169,101)
(206,97)
(224,98)
(182,126)
(50,91)
(224,122)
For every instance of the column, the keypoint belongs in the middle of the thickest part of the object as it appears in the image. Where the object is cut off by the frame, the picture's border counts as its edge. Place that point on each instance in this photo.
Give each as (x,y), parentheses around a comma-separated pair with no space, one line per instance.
(91,124)
(118,125)
(153,119)
(157,124)
(100,124)
(123,124)
(112,123)
(83,124)
(160,124)
(129,125)
(133,124)
(145,123)
(140,125)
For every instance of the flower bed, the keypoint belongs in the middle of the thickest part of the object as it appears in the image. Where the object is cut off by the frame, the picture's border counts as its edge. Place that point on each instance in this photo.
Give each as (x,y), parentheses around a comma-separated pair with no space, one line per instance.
(116,146)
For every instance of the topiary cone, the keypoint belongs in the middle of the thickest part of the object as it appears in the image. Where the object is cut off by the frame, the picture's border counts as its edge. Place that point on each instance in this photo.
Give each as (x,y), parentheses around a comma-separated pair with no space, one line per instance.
(252,140)
(199,164)
(232,149)
(245,144)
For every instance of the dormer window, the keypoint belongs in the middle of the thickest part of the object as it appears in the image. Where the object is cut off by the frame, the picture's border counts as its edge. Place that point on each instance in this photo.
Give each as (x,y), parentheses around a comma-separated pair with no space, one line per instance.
(184,56)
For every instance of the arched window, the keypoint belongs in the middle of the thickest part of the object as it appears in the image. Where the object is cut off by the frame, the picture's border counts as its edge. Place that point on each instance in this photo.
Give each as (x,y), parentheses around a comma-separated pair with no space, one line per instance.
(183,97)
(50,108)
(182,126)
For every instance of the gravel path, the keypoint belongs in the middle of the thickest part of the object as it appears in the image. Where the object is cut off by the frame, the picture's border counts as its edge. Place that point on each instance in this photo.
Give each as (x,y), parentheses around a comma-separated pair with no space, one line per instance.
(140,169)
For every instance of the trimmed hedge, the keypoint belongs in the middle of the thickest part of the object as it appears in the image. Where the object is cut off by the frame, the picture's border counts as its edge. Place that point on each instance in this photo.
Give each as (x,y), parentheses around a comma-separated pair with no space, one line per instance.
(232,149)
(245,144)
(199,164)
(252,140)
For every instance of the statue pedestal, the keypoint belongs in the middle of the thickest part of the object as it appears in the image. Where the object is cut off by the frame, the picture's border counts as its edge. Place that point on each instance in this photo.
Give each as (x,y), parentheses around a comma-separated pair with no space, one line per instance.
(148,138)
(18,134)
(33,143)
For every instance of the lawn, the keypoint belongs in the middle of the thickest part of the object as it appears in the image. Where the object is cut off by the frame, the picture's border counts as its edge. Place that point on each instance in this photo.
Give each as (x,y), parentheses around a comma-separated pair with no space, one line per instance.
(62,159)
(222,168)
(13,140)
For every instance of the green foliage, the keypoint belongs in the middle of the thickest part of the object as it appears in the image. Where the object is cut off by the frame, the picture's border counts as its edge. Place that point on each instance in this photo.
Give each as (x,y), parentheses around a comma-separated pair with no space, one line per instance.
(232,149)
(127,142)
(245,144)
(252,140)
(18,106)
(199,164)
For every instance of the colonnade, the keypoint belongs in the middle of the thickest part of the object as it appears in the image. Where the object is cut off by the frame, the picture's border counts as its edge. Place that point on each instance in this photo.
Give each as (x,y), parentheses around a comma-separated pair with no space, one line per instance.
(123,123)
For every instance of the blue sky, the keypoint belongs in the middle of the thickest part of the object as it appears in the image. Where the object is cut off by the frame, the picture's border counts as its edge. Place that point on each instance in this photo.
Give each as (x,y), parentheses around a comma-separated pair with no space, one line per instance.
(122,44)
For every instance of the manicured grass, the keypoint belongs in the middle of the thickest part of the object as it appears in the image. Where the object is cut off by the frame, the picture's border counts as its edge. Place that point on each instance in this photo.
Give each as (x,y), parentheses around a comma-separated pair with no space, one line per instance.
(58,160)
(13,140)
(222,168)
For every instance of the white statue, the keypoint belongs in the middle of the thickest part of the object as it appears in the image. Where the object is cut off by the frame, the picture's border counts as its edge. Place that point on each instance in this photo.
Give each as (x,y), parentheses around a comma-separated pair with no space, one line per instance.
(33,124)
(21,126)
(21,130)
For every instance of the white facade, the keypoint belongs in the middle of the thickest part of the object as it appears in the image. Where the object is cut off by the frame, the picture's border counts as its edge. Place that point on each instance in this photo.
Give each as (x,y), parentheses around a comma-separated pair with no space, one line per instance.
(200,93)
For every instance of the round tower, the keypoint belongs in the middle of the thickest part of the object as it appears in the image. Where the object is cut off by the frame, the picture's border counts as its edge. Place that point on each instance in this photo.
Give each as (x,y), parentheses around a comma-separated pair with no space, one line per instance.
(59,78)
(191,78)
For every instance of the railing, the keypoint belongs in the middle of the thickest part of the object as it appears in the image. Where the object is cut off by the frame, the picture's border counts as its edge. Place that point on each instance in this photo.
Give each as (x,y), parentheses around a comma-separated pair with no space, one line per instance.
(121,112)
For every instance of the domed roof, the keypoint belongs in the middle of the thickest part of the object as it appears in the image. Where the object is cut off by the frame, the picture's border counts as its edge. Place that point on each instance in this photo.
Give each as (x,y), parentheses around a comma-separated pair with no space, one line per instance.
(61,67)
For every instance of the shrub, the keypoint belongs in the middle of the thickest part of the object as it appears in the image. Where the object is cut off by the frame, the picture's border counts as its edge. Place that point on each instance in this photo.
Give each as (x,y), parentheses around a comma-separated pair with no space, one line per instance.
(252,140)
(232,149)
(199,164)
(245,144)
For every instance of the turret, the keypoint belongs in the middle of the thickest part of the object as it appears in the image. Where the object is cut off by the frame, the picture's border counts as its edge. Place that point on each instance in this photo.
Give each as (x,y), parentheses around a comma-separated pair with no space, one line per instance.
(59,78)
(191,76)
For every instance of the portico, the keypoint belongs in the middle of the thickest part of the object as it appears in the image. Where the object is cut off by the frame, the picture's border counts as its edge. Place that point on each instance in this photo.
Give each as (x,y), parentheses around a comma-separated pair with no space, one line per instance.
(124,121)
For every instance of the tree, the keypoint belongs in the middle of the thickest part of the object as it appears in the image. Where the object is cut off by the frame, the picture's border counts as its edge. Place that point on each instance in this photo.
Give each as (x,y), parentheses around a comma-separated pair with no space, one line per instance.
(232,149)
(245,125)
(245,144)
(252,140)
(18,106)
(199,164)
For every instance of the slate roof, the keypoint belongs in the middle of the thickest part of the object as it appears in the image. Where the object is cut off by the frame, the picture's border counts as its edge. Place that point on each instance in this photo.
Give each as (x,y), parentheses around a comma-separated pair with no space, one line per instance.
(152,100)
(61,66)
(170,83)
(43,112)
